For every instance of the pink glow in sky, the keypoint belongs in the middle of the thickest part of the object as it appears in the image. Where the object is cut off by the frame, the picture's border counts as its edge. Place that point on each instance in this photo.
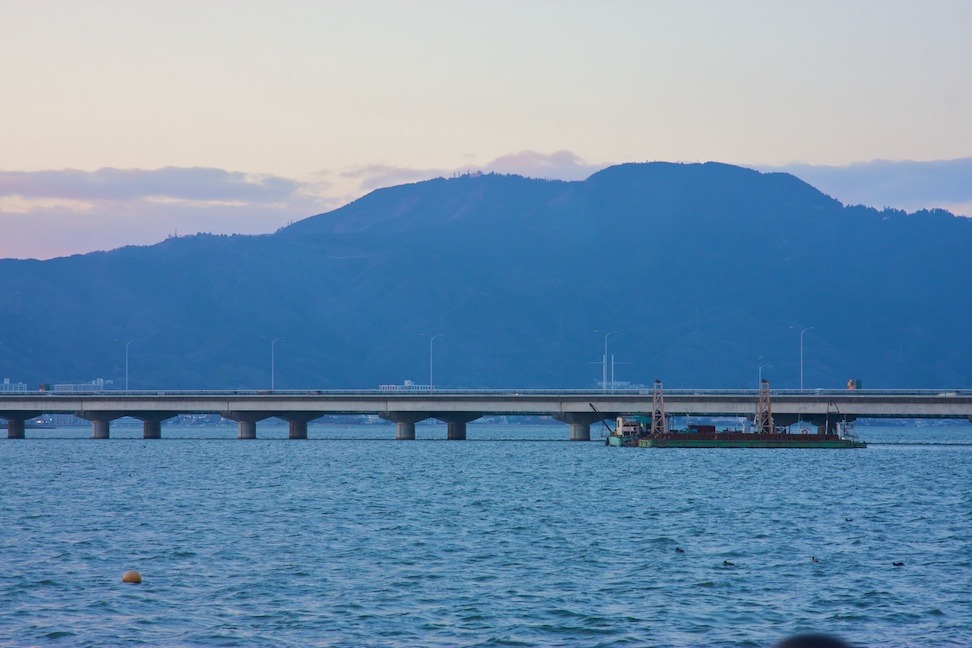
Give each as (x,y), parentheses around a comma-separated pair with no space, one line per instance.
(123,123)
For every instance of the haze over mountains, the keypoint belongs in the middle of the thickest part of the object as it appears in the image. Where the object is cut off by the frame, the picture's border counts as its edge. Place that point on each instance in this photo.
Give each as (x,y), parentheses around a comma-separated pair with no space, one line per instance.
(702,268)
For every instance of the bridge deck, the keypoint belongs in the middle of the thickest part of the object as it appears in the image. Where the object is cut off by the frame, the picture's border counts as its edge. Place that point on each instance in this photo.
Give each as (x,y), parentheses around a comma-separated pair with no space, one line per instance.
(861,403)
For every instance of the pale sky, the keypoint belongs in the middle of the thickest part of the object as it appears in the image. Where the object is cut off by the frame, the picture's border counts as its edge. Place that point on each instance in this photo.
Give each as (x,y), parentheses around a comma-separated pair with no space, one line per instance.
(122,122)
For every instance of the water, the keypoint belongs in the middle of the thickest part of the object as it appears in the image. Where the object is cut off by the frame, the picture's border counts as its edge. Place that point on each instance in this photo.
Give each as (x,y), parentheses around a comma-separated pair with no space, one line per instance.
(515,537)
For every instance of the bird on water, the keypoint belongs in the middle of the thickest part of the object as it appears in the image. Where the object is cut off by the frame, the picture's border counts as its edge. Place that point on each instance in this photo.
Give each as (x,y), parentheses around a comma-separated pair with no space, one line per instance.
(814,559)
(897,564)
(726,563)
(679,550)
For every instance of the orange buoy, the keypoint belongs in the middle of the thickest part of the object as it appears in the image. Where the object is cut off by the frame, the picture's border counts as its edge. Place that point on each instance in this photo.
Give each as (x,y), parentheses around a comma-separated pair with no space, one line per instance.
(131,576)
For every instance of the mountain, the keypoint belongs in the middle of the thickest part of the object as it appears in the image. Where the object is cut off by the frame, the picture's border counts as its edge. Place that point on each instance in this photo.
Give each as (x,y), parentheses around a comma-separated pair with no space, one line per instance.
(702,268)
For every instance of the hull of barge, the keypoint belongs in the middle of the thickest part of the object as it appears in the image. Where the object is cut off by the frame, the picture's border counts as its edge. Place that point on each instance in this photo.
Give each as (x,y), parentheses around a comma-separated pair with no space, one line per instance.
(743,440)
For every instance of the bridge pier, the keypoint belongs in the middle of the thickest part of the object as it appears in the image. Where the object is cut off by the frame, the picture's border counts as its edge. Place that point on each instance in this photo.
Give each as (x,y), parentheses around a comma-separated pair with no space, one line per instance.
(580,424)
(404,423)
(246,422)
(297,421)
(100,428)
(16,423)
(246,429)
(456,424)
(152,423)
(828,425)
(298,429)
(151,429)
(16,429)
(100,422)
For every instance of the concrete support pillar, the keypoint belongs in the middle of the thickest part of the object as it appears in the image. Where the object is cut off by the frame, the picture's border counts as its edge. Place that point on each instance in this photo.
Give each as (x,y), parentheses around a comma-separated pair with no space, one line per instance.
(404,431)
(404,423)
(246,429)
(100,422)
(15,429)
(580,432)
(298,421)
(151,429)
(246,422)
(456,425)
(152,423)
(100,428)
(298,429)
(16,422)
(456,430)
(580,424)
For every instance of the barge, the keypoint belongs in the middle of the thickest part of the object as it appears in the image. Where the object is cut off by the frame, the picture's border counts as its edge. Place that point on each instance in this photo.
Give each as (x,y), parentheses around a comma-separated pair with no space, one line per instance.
(652,431)
(737,439)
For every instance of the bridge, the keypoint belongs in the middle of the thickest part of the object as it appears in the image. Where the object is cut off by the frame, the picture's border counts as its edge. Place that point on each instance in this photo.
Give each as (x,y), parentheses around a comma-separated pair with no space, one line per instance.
(578,409)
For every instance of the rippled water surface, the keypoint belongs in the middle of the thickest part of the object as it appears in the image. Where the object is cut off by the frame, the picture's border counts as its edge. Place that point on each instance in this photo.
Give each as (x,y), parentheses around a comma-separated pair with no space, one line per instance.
(515,537)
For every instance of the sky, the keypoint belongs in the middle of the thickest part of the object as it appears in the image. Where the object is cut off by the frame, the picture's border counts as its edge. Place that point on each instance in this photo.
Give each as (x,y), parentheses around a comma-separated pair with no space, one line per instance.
(128,122)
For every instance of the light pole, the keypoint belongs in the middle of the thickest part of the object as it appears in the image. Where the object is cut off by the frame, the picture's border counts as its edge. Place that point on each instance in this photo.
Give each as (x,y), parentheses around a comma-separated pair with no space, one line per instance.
(802,331)
(761,365)
(431,340)
(273,361)
(604,362)
(127,344)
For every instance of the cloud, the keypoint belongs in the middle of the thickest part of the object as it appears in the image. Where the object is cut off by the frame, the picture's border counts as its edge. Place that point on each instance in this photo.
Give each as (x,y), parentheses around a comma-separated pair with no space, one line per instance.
(375,176)
(53,213)
(175,183)
(906,184)
(561,165)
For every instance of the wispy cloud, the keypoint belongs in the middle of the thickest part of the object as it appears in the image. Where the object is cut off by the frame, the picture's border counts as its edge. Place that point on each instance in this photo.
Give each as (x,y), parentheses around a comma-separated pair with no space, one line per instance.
(560,165)
(192,183)
(374,176)
(55,213)
(58,212)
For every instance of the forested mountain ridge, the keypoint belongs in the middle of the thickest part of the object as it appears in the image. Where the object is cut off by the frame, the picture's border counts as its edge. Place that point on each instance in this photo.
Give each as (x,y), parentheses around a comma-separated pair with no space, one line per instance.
(702,268)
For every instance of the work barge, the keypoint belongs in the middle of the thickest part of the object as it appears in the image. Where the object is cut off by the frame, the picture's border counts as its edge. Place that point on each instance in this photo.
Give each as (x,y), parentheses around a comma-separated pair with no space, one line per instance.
(654,430)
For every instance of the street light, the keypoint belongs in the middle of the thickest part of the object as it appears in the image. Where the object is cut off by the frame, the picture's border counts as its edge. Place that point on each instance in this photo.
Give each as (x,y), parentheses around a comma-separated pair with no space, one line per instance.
(802,331)
(761,365)
(431,340)
(127,344)
(604,376)
(273,361)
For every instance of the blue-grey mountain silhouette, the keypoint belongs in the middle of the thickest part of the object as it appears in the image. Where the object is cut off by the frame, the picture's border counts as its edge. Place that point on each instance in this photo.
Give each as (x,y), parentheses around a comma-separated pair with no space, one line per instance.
(703,268)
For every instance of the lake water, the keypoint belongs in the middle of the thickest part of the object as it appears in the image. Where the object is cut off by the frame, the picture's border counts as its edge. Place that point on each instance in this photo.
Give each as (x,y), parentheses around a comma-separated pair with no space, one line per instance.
(515,537)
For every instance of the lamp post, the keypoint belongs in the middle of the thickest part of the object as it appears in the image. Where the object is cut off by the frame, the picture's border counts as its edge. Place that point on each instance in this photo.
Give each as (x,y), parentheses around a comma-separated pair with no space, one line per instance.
(604,362)
(802,331)
(273,361)
(431,340)
(127,344)
(759,381)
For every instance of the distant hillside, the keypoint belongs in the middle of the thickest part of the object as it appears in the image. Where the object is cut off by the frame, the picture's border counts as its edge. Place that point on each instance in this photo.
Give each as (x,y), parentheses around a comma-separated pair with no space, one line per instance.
(703,268)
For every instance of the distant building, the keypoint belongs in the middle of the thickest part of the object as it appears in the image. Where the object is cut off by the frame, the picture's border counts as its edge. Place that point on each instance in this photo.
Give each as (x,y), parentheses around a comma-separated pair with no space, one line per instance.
(8,386)
(96,385)
(406,387)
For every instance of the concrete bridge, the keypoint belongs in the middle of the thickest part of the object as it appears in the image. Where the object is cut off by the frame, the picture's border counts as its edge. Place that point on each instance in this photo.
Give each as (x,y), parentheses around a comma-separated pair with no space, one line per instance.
(578,409)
